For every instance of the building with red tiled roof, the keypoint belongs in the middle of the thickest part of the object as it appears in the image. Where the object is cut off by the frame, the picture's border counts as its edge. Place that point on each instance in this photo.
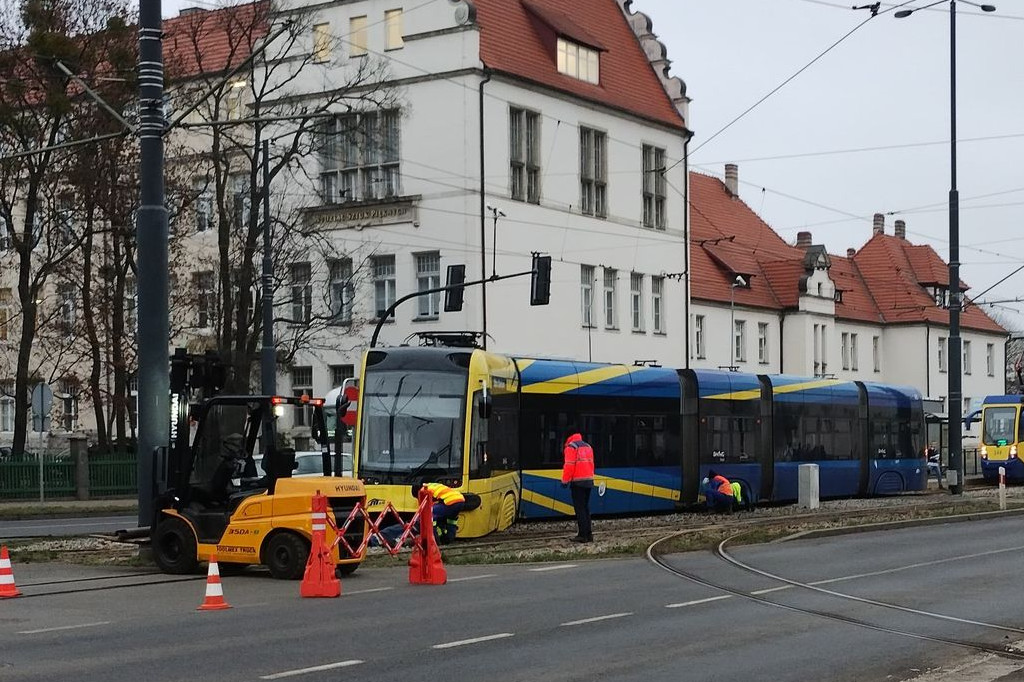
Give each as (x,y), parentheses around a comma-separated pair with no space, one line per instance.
(878,313)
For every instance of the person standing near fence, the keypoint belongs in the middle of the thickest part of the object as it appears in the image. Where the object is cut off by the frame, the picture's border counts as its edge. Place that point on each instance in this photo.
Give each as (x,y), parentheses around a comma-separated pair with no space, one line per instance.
(578,474)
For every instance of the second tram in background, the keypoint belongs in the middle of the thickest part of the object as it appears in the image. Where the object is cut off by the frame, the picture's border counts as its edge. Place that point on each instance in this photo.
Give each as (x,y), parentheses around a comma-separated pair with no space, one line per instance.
(494,425)
(1002,437)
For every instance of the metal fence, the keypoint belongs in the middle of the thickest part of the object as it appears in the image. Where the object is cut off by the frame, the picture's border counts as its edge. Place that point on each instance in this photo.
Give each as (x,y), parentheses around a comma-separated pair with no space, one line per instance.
(113,476)
(109,475)
(19,478)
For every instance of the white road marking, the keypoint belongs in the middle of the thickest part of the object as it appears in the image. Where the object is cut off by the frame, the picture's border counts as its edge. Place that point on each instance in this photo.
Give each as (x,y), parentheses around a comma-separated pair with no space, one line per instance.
(314,669)
(698,601)
(475,640)
(368,591)
(772,589)
(471,577)
(596,619)
(922,564)
(559,567)
(64,627)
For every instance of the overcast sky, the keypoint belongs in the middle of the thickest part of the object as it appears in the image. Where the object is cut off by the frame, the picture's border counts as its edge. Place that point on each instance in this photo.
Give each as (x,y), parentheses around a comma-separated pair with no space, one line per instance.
(886,85)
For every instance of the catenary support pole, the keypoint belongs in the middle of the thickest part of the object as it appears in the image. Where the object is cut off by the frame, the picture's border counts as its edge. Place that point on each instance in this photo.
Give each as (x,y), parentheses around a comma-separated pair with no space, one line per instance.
(151,239)
(955,400)
(268,366)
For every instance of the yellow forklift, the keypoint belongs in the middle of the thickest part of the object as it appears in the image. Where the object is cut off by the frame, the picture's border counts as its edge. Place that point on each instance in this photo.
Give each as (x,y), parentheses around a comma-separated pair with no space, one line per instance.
(212,497)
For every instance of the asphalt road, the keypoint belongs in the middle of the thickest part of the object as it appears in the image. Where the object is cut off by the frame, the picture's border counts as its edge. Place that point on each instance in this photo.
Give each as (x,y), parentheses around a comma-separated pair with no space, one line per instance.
(610,620)
(28,528)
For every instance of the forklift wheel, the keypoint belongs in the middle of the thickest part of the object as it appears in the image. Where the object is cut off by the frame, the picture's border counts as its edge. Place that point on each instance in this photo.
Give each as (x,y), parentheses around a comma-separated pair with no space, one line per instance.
(286,555)
(174,547)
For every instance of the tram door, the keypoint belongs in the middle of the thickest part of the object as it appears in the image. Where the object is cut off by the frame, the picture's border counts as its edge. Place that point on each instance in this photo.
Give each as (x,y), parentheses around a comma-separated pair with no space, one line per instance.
(689,441)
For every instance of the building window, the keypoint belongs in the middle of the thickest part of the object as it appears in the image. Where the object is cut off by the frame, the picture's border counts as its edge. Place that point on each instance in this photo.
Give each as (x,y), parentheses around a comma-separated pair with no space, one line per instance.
(240,199)
(762,342)
(593,173)
(5,314)
(383,283)
(698,336)
(233,100)
(69,402)
(302,385)
(357,36)
(580,62)
(206,299)
(853,352)
(68,308)
(941,296)
(636,299)
(654,187)
(393,29)
(658,304)
(5,234)
(204,204)
(341,372)
(7,406)
(359,157)
(740,341)
(820,350)
(321,42)
(428,276)
(524,155)
(301,279)
(845,348)
(942,354)
(876,353)
(990,356)
(824,350)
(967,357)
(342,291)
(587,294)
(131,304)
(65,221)
(610,318)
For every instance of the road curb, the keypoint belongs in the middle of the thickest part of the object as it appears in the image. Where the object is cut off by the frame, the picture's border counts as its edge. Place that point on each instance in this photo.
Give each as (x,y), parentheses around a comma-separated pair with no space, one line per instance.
(892,525)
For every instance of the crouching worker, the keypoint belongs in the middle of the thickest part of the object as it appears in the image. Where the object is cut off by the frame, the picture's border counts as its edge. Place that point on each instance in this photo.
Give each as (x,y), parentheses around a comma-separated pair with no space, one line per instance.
(448,502)
(718,492)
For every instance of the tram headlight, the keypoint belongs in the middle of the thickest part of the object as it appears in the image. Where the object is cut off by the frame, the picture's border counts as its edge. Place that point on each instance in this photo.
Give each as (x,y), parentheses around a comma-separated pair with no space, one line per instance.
(1013,450)
(984,452)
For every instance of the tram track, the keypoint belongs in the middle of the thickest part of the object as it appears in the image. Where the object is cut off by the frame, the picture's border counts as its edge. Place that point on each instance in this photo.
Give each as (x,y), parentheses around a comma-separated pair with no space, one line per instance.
(720,553)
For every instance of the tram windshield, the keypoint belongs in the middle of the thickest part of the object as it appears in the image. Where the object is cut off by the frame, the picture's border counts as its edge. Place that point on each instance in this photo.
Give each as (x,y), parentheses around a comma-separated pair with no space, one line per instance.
(998,428)
(412,425)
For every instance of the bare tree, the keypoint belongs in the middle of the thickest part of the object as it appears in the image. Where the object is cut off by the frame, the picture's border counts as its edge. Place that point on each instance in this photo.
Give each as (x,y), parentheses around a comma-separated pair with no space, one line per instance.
(39,108)
(266,98)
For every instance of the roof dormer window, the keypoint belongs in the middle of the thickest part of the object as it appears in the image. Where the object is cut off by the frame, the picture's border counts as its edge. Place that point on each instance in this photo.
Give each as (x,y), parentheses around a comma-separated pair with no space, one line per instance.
(579,61)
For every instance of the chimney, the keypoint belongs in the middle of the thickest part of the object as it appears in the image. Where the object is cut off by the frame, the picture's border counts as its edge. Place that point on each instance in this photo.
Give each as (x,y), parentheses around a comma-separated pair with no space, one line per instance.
(879,226)
(901,229)
(732,179)
(803,240)
(850,253)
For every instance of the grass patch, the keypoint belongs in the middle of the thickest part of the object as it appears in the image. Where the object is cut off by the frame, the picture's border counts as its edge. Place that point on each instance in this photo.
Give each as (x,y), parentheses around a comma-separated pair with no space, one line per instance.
(49,510)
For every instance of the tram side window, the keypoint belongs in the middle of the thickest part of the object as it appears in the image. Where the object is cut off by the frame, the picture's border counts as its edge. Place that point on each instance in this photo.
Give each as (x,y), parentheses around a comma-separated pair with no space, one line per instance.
(504,440)
(842,439)
(817,439)
(651,436)
(479,455)
(730,439)
(552,432)
(609,435)
(881,439)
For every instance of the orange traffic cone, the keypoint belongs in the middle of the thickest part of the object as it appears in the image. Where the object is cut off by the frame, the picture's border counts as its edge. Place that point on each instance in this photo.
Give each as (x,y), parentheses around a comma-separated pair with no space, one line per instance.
(214,600)
(7,587)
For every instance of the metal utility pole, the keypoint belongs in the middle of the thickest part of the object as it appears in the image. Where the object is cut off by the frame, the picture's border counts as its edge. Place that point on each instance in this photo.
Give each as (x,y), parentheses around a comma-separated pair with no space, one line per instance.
(955,411)
(268,365)
(151,239)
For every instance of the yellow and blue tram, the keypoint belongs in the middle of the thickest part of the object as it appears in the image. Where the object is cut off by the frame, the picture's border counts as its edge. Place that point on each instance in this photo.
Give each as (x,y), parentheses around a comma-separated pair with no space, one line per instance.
(1002,437)
(494,425)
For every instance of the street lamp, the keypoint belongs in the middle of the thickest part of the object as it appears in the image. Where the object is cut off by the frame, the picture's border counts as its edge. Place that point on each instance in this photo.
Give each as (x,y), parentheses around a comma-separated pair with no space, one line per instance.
(738,281)
(955,391)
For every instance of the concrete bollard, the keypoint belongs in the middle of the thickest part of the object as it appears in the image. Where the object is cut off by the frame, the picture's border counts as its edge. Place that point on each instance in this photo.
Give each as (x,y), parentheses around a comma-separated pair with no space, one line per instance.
(1002,488)
(808,489)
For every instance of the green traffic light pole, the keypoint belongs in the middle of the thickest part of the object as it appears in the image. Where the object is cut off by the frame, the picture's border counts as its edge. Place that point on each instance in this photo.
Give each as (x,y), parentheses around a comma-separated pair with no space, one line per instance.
(436,290)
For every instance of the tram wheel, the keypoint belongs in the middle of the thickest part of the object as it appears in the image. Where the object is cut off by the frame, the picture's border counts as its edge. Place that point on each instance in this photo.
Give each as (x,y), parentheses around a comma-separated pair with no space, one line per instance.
(507,513)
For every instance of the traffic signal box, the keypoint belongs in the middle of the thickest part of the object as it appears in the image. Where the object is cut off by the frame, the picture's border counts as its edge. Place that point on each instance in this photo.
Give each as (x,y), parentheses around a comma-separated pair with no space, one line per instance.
(540,280)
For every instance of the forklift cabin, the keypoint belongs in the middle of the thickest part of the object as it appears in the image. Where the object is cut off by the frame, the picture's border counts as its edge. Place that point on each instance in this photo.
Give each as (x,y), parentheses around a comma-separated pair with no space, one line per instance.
(215,499)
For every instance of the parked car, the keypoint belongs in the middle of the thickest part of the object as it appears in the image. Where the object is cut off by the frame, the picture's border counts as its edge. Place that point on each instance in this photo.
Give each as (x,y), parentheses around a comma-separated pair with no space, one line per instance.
(310,463)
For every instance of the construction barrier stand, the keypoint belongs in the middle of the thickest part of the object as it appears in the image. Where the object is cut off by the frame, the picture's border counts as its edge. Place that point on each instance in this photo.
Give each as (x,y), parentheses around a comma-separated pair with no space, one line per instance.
(425,565)
(320,579)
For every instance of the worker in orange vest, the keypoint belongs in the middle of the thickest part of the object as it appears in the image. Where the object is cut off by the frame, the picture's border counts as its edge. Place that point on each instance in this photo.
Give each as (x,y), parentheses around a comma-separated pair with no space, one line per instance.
(578,474)
(718,492)
(448,502)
